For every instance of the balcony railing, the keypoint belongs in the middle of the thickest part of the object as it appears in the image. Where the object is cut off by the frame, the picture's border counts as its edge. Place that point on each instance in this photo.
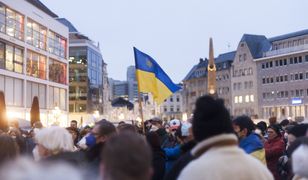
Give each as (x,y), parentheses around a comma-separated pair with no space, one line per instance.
(286,50)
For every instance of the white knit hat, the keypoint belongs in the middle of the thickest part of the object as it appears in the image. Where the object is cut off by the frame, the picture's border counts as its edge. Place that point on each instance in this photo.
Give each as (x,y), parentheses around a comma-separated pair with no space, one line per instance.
(300,161)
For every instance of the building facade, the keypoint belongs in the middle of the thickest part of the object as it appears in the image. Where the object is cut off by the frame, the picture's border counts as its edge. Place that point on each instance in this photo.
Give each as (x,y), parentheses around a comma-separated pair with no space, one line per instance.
(33,61)
(172,107)
(86,77)
(244,75)
(132,84)
(283,77)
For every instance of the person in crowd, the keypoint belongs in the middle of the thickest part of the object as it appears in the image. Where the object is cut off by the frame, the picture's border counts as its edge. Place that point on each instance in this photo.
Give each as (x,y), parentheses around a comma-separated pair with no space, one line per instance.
(284,123)
(126,156)
(84,131)
(9,149)
(250,142)
(217,155)
(272,120)
(167,141)
(274,149)
(15,133)
(296,132)
(299,158)
(127,127)
(95,142)
(187,143)
(158,156)
(74,133)
(26,169)
(74,124)
(56,144)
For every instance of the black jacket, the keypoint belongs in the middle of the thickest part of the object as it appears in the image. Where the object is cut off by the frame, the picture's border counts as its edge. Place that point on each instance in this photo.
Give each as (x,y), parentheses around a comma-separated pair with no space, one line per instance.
(158,163)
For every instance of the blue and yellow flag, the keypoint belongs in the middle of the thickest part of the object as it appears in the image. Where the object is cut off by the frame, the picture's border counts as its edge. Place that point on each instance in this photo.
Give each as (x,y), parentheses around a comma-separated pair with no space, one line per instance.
(151,78)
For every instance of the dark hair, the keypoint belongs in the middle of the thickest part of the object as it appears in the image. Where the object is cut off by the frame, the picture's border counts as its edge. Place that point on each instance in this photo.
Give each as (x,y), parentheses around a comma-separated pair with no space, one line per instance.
(276,128)
(9,148)
(126,156)
(295,144)
(284,122)
(153,140)
(298,130)
(244,122)
(272,120)
(105,127)
(262,126)
(210,118)
(127,127)
(74,121)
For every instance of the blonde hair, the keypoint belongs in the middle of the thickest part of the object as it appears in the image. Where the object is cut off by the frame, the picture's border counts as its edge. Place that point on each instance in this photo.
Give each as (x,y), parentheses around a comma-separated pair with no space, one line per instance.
(55,139)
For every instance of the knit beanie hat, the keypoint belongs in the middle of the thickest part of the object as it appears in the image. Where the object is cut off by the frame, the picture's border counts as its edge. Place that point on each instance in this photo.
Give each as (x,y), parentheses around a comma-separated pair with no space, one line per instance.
(300,161)
(299,130)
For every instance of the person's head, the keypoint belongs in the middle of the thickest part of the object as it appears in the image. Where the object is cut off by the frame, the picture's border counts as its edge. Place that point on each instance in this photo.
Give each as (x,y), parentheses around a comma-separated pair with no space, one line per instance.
(53,140)
(127,127)
(243,126)
(8,149)
(153,140)
(74,124)
(273,131)
(121,122)
(262,126)
(272,120)
(284,123)
(24,168)
(296,132)
(157,122)
(210,118)
(73,132)
(126,156)
(102,131)
(184,132)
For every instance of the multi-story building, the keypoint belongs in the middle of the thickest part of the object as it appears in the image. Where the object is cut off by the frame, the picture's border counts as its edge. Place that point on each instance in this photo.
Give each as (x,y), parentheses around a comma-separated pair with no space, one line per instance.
(223,77)
(33,60)
(283,77)
(119,89)
(244,75)
(132,84)
(172,107)
(86,76)
(194,85)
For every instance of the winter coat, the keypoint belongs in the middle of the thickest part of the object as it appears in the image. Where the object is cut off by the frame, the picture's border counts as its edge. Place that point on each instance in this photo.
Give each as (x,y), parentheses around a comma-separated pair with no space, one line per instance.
(220,158)
(76,159)
(172,154)
(181,163)
(253,145)
(158,163)
(274,150)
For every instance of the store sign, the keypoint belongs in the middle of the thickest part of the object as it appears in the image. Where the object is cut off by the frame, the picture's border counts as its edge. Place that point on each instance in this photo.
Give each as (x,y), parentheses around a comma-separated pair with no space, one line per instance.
(296,101)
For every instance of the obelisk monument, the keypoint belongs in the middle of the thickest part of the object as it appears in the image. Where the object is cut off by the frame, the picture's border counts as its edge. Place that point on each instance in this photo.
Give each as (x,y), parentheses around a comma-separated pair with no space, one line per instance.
(211,69)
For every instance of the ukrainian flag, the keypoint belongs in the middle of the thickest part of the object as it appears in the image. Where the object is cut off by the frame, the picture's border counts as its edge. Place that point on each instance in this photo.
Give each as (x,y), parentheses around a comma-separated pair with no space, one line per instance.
(151,78)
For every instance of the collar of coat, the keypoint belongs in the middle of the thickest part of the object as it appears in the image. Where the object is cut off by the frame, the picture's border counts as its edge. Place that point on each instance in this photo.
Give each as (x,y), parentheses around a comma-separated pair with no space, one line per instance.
(215,141)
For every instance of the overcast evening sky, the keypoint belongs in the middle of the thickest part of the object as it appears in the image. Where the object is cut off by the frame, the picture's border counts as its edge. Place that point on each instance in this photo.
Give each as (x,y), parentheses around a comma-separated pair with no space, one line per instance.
(176,32)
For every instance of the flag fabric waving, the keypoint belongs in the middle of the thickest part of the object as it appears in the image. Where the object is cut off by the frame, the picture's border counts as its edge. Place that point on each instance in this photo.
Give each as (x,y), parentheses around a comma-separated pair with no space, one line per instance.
(151,78)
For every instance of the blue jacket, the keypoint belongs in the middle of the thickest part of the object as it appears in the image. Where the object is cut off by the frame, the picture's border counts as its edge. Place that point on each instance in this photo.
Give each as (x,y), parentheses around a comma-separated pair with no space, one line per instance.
(172,154)
(251,143)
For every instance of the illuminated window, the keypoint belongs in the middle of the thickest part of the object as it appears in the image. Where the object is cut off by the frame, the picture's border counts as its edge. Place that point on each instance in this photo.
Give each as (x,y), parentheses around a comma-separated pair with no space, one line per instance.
(252,99)
(36,34)
(236,99)
(11,58)
(36,65)
(247,98)
(240,99)
(14,23)
(57,44)
(57,71)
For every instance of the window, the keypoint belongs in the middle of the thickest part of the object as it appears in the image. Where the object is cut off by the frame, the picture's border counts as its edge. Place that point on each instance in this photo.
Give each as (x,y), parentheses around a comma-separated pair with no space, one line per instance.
(177,99)
(306,75)
(13,25)
(276,63)
(296,77)
(271,64)
(306,58)
(171,99)
(295,60)
(263,80)
(300,59)
(291,60)
(263,66)
(277,79)
(247,98)
(171,109)
(165,109)
(13,60)
(285,77)
(178,109)
(301,76)
(36,34)
(36,65)
(57,71)
(236,99)
(281,78)
(280,62)
(285,62)
(244,57)
(240,99)
(35,89)
(252,99)
(57,44)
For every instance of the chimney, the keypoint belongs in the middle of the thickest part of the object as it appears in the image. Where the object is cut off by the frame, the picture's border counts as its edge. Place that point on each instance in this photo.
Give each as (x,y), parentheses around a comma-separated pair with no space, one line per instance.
(200,60)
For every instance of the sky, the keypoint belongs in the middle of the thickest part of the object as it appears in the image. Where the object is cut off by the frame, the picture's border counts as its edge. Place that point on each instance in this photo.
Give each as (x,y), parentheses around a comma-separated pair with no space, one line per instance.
(176,32)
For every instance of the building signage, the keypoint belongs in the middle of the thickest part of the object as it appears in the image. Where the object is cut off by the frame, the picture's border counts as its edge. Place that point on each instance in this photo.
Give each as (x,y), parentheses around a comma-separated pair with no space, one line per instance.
(296,101)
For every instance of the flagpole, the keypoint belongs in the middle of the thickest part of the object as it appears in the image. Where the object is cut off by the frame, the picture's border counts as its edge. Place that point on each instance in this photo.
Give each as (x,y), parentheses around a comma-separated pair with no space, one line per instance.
(141,110)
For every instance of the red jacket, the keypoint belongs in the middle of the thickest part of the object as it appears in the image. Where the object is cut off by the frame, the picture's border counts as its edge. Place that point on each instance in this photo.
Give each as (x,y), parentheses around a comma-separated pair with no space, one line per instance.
(273,150)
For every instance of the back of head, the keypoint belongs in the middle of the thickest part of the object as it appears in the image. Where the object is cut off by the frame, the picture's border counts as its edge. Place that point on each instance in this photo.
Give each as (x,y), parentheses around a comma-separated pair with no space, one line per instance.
(8,149)
(55,139)
(299,130)
(127,127)
(106,128)
(126,156)
(153,139)
(210,118)
(272,120)
(244,122)
(284,122)
(262,126)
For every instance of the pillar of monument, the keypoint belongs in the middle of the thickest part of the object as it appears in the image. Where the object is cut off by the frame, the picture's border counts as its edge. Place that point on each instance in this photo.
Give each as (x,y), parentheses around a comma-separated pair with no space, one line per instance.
(211,69)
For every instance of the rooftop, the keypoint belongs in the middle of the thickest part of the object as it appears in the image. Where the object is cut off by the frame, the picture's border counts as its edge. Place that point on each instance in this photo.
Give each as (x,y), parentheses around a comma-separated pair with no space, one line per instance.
(289,35)
(68,24)
(257,44)
(41,6)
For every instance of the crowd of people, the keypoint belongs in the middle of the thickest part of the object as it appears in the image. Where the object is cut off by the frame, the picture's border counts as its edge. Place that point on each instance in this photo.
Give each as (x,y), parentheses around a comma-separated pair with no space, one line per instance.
(211,145)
